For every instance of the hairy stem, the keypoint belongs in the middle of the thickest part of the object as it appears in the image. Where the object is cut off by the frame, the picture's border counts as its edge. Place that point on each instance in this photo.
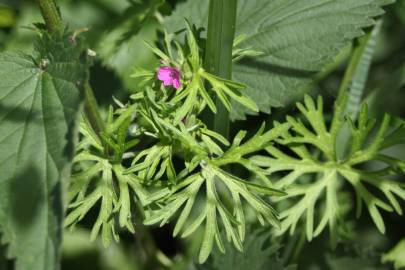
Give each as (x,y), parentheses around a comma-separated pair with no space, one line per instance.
(218,57)
(51,15)
(91,109)
(146,243)
(354,80)
(54,23)
(355,59)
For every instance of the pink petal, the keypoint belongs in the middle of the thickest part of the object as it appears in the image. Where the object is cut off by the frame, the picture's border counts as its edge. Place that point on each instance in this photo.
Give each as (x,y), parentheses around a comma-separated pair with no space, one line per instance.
(176,83)
(168,82)
(164,73)
(169,76)
(166,69)
(176,72)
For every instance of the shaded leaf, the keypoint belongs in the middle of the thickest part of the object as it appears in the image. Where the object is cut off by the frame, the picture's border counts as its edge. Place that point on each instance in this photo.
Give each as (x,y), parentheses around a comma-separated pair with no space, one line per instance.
(260,253)
(39,100)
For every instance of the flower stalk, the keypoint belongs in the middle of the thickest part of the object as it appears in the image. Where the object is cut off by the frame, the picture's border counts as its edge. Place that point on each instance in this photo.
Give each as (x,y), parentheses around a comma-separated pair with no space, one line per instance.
(218,56)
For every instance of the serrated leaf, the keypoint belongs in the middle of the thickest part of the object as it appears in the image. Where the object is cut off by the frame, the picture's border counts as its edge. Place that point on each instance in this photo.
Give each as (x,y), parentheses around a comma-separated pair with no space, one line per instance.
(297,39)
(39,101)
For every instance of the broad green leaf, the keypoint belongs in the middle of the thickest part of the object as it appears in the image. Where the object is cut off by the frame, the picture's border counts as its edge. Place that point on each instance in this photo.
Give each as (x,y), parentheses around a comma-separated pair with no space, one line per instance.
(39,100)
(7,17)
(297,39)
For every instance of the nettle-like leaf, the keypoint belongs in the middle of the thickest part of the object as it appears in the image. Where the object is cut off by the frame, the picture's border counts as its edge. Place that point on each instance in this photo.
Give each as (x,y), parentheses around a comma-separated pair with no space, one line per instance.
(39,99)
(313,176)
(289,41)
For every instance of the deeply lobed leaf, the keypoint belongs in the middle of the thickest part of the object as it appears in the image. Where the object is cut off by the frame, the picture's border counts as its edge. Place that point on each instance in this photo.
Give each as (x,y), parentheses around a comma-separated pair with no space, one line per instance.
(314,183)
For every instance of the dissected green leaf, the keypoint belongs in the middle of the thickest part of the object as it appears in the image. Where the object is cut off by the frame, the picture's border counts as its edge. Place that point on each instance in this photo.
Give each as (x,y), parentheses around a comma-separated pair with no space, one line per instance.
(297,38)
(396,255)
(39,101)
(259,253)
(314,182)
(216,212)
(114,189)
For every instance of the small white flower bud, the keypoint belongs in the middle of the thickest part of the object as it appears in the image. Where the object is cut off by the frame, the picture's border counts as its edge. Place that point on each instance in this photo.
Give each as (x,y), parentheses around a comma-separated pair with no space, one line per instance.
(91,53)
(132,130)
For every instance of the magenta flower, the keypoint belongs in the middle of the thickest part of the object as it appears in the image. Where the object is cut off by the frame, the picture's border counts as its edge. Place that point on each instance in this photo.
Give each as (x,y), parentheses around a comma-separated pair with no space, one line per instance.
(169,76)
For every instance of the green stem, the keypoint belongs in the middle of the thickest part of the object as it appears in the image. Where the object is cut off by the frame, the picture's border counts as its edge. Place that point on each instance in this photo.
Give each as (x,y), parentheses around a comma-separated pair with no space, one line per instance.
(51,15)
(91,109)
(54,23)
(354,80)
(218,56)
(355,58)
(300,245)
(146,243)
